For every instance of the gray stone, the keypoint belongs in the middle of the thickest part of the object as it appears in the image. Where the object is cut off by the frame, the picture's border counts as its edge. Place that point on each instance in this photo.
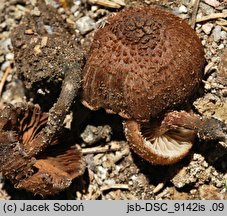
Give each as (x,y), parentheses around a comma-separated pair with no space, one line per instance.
(217,33)
(85,24)
(182,9)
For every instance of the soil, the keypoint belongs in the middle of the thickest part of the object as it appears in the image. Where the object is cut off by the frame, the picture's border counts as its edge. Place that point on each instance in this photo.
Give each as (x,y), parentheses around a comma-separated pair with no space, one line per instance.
(113,171)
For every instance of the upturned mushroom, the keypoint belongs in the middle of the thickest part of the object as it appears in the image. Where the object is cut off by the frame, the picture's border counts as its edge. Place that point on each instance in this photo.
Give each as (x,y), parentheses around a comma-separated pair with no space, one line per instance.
(142,64)
(20,159)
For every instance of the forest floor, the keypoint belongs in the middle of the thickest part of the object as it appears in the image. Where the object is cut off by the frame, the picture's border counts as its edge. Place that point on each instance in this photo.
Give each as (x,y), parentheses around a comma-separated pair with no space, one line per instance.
(113,171)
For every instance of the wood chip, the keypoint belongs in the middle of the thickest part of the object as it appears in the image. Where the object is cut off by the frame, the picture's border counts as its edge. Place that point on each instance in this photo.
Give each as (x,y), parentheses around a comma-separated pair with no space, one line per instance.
(44,41)
(29,32)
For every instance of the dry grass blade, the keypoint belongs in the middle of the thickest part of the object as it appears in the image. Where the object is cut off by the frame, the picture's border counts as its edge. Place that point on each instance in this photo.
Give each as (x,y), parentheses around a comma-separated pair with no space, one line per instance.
(115,186)
(106,3)
(212,16)
(3,81)
(194,13)
(159,187)
(120,2)
(222,22)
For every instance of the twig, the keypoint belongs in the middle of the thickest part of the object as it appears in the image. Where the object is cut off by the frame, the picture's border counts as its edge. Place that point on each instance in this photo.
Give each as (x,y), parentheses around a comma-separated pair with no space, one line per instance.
(115,186)
(194,13)
(58,112)
(119,156)
(212,16)
(3,81)
(158,187)
(221,22)
(113,146)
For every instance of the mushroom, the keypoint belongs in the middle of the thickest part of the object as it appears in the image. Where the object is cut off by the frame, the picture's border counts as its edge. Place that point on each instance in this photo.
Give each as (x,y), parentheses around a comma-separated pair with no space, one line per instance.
(46,173)
(166,140)
(144,63)
(46,51)
(143,59)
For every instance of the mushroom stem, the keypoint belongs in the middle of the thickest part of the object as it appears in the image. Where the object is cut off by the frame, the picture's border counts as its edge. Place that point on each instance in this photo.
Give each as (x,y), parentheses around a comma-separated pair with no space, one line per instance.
(205,128)
(57,113)
(212,129)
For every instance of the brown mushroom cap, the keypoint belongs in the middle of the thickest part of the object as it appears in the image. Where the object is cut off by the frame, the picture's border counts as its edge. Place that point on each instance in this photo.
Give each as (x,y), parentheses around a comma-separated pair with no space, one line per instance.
(143,62)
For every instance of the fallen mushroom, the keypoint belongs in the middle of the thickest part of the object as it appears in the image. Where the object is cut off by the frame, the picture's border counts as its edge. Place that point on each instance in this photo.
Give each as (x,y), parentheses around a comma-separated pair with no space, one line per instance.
(49,53)
(127,72)
(169,139)
(43,174)
(144,63)
(46,51)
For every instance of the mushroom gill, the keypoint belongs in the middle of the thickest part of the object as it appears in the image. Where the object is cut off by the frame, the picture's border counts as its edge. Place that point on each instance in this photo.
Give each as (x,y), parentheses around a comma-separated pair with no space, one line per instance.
(42,172)
(163,141)
(54,174)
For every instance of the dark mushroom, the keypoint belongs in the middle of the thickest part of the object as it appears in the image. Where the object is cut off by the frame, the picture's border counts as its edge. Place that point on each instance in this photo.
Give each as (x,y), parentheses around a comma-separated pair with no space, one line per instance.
(43,174)
(47,51)
(143,63)
(166,140)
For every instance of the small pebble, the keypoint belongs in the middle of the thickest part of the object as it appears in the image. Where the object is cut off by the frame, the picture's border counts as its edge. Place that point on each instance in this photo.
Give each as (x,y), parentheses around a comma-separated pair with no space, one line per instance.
(221,46)
(9,56)
(207,28)
(5,65)
(2,59)
(223,35)
(94,8)
(74,8)
(33,2)
(36,12)
(193,191)
(3,26)
(44,41)
(18,14)
(61,10)
(182,9)
(85,24)
(217,33)
(29,31)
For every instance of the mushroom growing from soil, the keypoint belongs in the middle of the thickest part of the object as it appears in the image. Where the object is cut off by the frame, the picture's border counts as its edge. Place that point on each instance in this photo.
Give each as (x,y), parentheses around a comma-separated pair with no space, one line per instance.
(143,63)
